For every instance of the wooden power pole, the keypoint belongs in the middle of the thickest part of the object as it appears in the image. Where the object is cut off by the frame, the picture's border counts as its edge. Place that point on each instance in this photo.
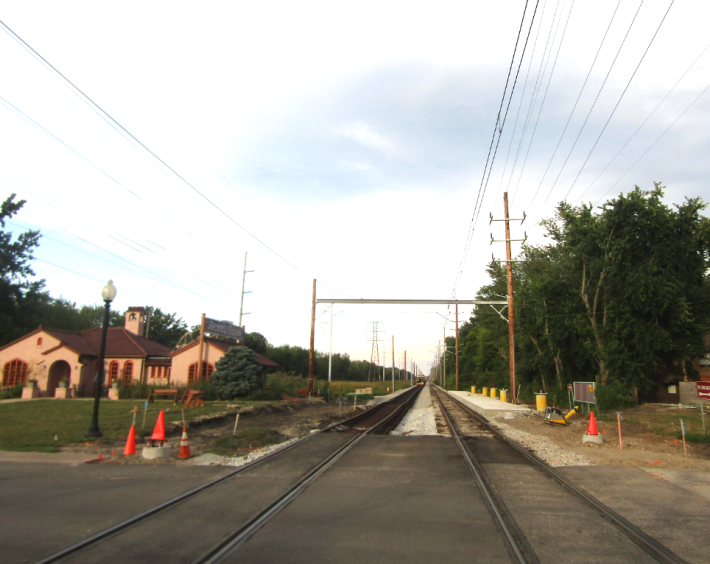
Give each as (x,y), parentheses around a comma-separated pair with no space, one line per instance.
(457,347)
(511,301)
(313,342)
(511,305)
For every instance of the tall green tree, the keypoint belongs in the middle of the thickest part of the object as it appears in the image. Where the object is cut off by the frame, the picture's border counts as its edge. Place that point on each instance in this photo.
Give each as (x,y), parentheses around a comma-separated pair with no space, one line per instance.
(165,328)
(18,291)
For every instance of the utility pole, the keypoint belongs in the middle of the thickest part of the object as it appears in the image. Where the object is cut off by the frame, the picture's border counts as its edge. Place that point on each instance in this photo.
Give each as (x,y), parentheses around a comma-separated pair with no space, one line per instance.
(384,359)
(457,347)
(511,302)
(313,342)
(244,277)
(330,353)
(392,363)
(445,350)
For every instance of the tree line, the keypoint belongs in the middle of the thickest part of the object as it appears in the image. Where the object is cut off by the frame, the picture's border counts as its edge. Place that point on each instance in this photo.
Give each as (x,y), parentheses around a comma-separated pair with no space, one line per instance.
(295,359)
(620,296)
(25,304)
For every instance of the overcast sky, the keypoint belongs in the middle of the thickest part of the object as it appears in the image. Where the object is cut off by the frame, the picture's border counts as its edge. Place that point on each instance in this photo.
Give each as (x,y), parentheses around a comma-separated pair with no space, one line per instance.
(339,141)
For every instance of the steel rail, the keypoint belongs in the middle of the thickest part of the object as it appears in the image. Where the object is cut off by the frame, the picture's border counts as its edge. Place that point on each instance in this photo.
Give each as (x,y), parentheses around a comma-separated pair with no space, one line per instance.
(240,535)
(646,542)
(119,527)
(518,546)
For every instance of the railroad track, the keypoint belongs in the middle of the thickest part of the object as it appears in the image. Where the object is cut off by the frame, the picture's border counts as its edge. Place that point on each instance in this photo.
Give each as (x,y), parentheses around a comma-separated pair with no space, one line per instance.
(341,438)
(467,427)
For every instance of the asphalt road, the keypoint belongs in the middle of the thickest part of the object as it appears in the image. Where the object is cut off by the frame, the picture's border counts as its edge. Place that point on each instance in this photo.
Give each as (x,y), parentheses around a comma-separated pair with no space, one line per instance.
(44,508)
(390,499)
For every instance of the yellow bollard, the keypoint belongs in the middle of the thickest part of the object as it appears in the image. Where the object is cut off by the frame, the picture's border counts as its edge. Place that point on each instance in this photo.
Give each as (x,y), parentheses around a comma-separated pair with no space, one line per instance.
(485,391)
(473,389)
(504,395)
(493,392)
(541,401)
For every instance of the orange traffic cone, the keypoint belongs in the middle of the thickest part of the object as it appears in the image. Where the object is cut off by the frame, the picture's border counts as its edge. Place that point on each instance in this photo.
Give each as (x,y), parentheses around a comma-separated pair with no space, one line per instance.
(101,457)
(131,442)
(159,431)
(184,445)
(592,428)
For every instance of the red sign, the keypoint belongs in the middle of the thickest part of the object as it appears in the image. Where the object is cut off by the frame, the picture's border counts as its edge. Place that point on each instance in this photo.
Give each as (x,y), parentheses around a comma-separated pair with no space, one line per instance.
(704,390)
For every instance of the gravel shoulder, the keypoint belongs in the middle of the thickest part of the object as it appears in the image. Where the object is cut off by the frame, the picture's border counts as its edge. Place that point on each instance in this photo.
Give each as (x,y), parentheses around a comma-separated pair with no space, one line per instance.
(640,449)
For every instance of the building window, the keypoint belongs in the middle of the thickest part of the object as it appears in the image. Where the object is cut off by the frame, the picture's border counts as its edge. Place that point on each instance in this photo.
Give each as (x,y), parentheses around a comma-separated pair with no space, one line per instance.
(39,341)
(15,373)
(158,372)
(207,370)
(113,372)
(128,373)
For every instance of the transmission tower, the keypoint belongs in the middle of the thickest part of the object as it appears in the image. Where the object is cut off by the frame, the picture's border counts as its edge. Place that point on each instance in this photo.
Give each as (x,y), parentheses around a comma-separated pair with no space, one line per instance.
(375,331)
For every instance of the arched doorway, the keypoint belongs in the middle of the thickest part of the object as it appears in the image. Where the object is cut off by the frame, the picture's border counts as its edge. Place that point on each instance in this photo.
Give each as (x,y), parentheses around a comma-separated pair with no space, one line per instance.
(60,370)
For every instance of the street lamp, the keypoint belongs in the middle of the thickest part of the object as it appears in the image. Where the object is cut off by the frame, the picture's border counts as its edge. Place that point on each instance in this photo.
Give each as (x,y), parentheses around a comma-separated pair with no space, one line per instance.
(108,293)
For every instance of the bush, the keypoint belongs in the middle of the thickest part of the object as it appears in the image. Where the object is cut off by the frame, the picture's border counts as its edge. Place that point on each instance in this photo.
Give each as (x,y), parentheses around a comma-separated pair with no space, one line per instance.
(207,388)
(614,396)
(135,391)
(11,393)
(237,373)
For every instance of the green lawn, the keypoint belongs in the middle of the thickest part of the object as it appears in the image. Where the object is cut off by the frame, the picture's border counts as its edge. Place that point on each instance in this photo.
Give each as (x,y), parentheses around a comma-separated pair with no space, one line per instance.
(47,425)
(379,388)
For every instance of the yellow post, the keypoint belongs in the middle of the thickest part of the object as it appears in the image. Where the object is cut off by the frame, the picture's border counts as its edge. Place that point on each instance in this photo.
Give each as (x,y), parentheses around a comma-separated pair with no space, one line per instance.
(473,389)
(493,392)
(504,395)
(485,391)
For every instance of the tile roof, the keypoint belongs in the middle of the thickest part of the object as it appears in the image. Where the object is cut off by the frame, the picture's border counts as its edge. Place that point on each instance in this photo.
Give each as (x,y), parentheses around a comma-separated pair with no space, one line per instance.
(224,346)
(121,342)
(72,340)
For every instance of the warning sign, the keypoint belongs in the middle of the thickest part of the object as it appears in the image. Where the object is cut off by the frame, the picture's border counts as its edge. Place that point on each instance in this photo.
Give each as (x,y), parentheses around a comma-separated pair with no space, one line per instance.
(703,390)
(585,392)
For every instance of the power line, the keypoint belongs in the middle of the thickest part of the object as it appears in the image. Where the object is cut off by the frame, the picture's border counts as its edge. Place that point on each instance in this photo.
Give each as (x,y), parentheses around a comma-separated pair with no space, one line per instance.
(474,216)
(619,100)
(106,116)
(581,90)
(544,97)
(646,120)
(591,109)
(656,141)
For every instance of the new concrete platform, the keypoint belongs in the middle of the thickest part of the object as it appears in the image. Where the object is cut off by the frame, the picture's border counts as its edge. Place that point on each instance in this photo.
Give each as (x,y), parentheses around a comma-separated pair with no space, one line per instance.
(489,407)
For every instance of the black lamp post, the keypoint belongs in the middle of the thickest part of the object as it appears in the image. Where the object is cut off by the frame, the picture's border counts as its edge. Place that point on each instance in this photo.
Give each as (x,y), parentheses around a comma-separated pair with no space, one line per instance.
(108,293)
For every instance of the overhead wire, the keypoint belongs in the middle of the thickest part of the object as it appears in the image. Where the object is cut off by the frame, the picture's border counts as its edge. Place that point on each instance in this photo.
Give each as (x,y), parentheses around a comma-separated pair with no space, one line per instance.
(488,157)
(90,277)
(654,143)
(646,120)
(105,115)
(544,97)
(619,100)
(596,99)
(520,104)
(574,107)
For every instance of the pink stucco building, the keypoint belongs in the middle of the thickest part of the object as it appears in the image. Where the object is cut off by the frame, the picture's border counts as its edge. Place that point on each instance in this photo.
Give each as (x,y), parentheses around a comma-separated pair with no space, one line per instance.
(51,356)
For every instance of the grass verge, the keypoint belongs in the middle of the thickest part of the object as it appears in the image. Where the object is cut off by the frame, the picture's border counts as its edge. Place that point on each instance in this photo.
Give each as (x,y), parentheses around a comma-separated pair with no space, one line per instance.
(48,425)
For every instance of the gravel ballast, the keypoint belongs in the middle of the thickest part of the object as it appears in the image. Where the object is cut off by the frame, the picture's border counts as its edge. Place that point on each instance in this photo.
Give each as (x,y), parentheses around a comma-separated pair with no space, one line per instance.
(543,447)
(420,419)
